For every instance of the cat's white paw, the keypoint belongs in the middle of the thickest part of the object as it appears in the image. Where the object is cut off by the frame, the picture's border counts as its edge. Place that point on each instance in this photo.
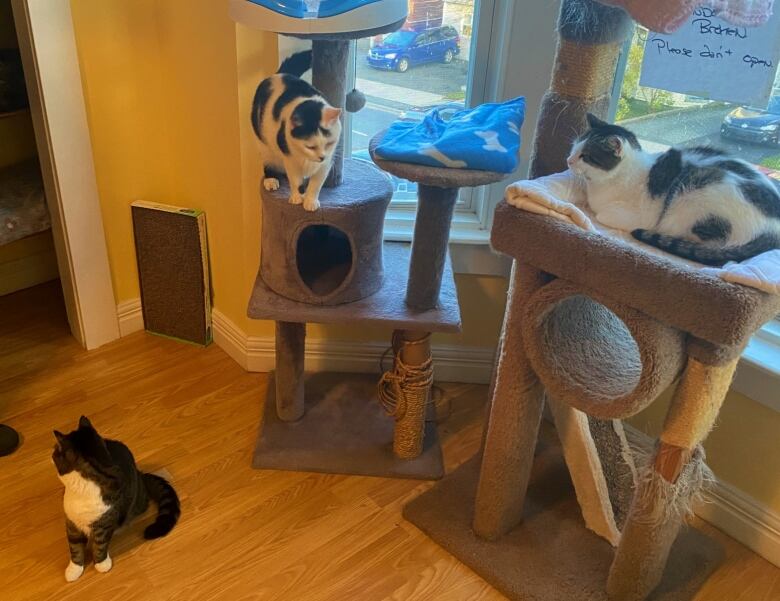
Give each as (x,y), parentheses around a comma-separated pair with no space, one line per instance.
(271,184)
(311,204)
(105,565)
(296,198)
(73,572)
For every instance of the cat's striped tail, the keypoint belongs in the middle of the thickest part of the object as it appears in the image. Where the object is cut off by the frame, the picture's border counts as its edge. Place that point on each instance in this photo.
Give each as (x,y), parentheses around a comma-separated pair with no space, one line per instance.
(709,255)
(168,509)
(296,64)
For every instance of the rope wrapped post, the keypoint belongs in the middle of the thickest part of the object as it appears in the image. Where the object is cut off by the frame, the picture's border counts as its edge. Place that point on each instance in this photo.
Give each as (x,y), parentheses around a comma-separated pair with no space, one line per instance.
(590,39)
(670,483)
(404,391)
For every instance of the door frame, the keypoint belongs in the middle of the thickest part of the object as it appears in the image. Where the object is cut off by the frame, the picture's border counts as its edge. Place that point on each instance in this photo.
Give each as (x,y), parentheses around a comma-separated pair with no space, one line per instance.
(49,56)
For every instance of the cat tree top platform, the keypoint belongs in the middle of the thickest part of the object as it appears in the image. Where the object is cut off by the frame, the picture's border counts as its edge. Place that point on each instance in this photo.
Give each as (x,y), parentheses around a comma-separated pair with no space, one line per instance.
(321,19)
(440,177)
(387,307)
(721,315)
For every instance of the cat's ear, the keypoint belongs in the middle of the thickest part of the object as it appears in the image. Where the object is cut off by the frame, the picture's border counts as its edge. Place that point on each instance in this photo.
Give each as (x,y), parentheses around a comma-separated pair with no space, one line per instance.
(84,422)
(59,436)
(615,145)
(330,114)
(594,122)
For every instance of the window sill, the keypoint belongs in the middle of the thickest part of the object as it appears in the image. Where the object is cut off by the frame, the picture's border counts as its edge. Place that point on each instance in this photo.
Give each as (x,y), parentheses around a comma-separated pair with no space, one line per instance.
(758,374)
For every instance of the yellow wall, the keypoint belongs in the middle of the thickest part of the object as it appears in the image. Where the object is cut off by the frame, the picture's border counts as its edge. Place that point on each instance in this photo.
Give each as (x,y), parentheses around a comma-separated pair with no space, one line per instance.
(168,85)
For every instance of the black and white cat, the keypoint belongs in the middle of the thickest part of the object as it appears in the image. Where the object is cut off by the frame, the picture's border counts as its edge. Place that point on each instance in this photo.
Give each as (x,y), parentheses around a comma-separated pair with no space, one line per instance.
(697,203)
(298,131)
(103,492)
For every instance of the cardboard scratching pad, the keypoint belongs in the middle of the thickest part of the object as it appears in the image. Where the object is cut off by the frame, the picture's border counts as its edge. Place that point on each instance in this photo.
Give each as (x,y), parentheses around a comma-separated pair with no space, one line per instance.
(344,431)
(550,556)
(173,271)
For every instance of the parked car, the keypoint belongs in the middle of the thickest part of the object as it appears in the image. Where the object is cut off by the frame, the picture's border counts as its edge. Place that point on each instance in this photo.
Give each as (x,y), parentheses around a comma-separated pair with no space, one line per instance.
(405,48)
(417,113)
(754,125)
(402,189)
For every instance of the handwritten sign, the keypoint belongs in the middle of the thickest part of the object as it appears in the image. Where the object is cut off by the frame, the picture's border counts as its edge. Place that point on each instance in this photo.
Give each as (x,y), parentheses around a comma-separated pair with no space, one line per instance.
(711,58)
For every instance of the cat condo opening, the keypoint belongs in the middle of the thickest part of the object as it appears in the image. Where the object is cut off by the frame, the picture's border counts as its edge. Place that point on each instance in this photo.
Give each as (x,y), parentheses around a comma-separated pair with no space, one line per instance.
(324,257)
(332,255)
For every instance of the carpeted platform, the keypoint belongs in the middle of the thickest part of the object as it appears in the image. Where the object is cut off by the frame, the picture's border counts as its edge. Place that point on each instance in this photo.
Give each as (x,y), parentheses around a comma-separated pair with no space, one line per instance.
(550,556)
(344,431)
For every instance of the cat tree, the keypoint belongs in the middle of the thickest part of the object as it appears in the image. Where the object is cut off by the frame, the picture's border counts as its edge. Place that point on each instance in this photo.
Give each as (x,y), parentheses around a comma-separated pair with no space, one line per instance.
(597,329)
(331,266)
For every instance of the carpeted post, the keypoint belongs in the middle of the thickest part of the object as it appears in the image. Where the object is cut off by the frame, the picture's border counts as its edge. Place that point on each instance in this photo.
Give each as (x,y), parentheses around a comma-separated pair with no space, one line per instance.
(668,487)
(290,348)
(328,75)
(513,424)
(435,207)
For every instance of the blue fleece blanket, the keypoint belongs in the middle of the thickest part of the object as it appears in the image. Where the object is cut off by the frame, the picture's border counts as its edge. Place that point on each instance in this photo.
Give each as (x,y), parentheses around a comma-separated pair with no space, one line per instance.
(486,137)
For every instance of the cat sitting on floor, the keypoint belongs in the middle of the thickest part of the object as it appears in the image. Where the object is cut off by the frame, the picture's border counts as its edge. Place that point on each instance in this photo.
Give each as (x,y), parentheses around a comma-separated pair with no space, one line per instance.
(298,131)
(103,492)
(697,203)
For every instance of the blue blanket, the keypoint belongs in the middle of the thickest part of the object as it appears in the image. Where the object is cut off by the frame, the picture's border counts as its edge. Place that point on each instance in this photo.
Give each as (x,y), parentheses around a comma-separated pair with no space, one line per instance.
(486,137)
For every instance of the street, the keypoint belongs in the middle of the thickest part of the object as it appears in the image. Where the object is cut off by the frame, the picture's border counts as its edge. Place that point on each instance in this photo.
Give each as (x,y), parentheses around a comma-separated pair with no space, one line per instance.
(693,127)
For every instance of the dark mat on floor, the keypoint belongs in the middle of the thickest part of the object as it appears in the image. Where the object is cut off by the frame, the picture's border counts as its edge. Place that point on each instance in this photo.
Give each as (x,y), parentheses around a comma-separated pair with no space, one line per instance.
(550,556)
(344,431)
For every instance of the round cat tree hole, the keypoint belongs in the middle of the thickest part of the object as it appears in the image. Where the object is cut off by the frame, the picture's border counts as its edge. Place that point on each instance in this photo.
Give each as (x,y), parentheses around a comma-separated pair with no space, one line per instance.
(324,258)
(590,350)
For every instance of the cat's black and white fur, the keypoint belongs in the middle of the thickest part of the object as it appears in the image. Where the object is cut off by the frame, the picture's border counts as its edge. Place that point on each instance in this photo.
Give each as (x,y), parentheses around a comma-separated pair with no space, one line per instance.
(298,131)
(103,492)
(697,203)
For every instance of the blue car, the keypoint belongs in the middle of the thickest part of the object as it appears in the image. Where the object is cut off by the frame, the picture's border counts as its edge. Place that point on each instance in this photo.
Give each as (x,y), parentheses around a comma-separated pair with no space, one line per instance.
(754,125)
(404,48)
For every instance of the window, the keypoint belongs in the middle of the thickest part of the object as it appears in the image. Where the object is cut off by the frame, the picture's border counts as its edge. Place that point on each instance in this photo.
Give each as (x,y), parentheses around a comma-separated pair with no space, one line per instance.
(434,61)
(491,37)
(662,119)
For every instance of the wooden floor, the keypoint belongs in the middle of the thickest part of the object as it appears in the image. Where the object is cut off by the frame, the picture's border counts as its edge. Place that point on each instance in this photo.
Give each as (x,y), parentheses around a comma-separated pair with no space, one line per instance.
(244,534)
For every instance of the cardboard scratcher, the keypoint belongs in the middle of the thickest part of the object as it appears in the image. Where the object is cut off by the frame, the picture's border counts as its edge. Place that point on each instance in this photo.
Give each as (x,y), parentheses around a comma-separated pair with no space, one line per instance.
(551,555)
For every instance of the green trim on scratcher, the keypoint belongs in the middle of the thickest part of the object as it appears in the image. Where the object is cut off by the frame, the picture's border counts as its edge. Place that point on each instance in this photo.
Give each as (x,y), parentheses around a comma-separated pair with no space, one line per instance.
(209,340)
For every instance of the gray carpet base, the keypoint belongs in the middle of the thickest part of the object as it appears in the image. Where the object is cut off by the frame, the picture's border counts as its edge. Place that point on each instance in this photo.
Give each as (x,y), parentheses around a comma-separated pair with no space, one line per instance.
(551,556)
(344,431)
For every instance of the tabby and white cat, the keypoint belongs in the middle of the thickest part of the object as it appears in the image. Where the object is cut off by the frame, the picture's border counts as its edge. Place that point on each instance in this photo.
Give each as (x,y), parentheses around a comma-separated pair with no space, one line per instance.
(103,492)
(298,131)
(697,203)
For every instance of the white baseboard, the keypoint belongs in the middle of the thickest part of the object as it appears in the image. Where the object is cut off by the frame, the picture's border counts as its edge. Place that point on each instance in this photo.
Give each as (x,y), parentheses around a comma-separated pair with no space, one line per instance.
(256,353)
(732,511)
(130,317)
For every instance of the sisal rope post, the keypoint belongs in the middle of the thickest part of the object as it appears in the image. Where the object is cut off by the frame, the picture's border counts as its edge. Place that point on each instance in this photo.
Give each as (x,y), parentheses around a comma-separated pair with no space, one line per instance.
(404,391)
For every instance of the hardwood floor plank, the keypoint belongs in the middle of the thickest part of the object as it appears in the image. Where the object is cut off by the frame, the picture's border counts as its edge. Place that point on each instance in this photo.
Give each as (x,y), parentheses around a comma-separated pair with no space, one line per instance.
(244,534)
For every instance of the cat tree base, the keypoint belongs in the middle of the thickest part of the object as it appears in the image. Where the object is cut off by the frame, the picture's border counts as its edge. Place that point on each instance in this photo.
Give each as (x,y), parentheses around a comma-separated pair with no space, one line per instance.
(344,430)
(550,556)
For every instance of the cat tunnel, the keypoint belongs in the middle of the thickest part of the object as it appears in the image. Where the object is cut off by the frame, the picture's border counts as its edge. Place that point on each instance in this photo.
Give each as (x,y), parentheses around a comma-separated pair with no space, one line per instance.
(596,328)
